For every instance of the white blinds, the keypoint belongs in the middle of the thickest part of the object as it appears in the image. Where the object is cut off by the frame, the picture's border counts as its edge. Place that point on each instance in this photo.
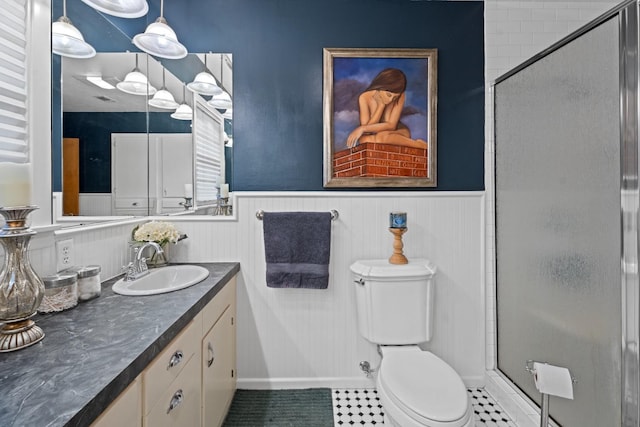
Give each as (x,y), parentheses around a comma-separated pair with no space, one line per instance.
(13,82)
(208,131)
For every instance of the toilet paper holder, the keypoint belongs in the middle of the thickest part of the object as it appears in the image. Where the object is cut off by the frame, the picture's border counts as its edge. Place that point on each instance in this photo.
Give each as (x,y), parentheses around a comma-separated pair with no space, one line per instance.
(544,407)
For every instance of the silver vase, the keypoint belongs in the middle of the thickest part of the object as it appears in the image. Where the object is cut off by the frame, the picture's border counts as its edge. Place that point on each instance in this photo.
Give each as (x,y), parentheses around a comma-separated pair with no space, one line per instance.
(21,290)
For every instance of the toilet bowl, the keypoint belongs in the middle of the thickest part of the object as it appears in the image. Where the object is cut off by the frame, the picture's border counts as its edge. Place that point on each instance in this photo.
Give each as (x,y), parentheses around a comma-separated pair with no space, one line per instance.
(418,389)
(394,304)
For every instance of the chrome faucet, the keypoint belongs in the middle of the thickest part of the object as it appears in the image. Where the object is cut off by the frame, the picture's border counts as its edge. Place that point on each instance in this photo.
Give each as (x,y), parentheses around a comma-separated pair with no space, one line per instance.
(138,267)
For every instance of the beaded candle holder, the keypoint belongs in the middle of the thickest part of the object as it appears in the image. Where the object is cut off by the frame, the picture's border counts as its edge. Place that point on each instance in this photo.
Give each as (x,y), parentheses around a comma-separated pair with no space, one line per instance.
(21,290)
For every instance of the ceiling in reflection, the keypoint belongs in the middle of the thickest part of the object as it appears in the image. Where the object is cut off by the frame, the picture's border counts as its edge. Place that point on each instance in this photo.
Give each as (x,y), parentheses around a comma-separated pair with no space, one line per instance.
(80,95)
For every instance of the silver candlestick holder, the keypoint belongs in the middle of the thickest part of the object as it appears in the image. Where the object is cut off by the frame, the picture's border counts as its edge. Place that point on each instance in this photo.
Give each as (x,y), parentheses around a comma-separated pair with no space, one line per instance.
(188,203)
(223,207)
(21,290)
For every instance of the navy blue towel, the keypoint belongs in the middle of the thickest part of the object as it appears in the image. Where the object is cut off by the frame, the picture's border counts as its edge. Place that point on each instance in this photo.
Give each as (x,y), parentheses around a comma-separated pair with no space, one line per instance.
(297,246)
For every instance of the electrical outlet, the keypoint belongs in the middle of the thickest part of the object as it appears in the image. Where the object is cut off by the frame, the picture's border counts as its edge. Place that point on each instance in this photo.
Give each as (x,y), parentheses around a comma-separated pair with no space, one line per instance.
(64,254)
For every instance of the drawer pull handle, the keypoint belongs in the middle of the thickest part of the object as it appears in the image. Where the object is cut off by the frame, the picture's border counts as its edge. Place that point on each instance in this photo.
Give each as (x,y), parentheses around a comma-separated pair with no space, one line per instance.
(176,400)
(212,355)
(175,359)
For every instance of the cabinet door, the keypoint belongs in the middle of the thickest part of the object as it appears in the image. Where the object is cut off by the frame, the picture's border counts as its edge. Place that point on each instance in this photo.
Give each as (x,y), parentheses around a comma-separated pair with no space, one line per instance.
(218,369)
(177,164)
(129,166)
(129,178)
(125,411)
(179,404)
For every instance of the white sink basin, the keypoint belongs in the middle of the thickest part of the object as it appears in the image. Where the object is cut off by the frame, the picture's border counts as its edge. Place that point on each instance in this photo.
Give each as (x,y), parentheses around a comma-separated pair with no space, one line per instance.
(161,280)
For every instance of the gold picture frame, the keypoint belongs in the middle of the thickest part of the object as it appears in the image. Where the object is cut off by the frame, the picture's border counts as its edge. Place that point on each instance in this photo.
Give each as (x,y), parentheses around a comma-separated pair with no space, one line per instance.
(380,116)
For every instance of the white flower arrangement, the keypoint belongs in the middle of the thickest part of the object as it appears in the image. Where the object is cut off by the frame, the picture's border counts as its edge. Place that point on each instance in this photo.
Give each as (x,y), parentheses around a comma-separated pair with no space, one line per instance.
(160,232)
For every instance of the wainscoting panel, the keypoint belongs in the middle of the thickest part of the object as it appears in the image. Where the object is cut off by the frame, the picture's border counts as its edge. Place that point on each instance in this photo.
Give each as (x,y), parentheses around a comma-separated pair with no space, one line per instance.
(95,204)
(302,337)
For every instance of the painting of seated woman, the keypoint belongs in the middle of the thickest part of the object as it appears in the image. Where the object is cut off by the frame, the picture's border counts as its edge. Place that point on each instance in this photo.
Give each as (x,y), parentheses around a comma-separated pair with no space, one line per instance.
(380,110)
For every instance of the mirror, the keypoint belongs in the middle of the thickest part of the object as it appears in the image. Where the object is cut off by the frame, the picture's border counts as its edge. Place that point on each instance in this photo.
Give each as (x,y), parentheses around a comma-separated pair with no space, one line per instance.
(113,153)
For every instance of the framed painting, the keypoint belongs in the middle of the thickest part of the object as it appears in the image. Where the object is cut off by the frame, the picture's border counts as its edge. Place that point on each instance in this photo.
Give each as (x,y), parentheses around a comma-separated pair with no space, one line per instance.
(380,117)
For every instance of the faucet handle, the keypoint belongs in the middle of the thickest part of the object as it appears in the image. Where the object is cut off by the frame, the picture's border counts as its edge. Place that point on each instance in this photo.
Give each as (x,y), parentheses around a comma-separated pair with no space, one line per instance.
(129,272)
(142,266)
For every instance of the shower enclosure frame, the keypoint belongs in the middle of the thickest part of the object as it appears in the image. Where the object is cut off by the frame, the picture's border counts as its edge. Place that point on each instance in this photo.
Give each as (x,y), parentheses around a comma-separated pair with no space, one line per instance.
(629,85)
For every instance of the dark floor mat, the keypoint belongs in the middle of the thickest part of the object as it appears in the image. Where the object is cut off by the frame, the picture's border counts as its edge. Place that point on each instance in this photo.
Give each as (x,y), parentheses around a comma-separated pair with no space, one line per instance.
(281,408)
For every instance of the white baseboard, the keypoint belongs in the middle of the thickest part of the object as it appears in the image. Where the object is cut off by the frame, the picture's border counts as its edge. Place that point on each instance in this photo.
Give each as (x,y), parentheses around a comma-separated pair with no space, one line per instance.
(474,381)
(330,382)
(299,383)
(521,410)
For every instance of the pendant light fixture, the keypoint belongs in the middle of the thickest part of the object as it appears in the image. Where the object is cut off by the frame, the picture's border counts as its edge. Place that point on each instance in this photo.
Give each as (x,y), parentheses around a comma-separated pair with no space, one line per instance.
(184,111)
(160,40)
(204,83)
(136,83)
(163,98)
(221,101)
(67,40)
(120,8)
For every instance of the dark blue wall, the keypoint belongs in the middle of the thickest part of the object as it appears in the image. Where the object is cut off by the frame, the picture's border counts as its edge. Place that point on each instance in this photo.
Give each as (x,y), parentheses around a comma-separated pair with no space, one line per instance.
(277,54)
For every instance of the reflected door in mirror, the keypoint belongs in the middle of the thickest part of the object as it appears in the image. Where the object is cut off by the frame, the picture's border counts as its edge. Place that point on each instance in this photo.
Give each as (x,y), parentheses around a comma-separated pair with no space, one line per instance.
(71,176)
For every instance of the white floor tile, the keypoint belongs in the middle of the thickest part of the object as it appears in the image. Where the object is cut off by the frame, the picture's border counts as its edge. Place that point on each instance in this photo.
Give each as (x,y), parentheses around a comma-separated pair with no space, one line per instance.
(362,407)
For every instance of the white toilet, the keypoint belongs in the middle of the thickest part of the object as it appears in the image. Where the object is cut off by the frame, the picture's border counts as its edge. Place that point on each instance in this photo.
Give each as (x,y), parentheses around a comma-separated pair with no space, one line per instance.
(417,388)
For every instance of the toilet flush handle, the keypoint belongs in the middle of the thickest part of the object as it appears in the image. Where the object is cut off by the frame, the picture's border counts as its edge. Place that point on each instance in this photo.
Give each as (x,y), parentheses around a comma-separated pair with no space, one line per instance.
(359,281)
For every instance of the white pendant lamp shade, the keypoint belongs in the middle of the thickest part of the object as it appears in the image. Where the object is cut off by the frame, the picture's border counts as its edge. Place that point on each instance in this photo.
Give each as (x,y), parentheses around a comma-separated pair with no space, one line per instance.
(66,40)
(184,112)
(205,84)
(228,114)
(160,40)
(120,8)
(163,99)
(136,83)
(221,101)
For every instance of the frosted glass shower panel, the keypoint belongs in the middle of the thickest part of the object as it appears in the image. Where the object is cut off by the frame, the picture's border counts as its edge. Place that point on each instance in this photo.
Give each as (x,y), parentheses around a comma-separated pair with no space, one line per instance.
(558,223)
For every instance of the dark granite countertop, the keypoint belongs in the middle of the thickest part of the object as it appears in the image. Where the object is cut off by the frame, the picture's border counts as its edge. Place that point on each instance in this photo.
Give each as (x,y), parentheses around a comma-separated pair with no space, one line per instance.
(92,352)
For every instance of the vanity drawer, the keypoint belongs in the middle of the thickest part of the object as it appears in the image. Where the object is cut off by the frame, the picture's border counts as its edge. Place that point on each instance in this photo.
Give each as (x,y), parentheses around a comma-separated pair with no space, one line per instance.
(131,202)
(168,364)
(179,404)
(172,202)
(212,312)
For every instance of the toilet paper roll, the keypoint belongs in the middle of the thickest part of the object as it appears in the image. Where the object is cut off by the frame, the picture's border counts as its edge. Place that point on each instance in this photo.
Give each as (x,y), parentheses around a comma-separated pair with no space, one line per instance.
(553,380)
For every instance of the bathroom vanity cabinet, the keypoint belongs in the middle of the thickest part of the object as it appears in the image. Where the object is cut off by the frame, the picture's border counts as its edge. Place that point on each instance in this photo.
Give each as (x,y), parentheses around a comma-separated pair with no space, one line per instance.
(126,410)
(122,361)
(192,381)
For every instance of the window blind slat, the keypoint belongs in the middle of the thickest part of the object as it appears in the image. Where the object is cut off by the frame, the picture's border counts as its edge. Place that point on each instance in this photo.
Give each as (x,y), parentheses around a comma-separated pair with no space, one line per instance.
(13,82)
(209,152)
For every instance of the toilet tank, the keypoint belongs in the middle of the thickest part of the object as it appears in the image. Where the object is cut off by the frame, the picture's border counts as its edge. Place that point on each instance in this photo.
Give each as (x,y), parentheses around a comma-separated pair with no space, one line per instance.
(394,302)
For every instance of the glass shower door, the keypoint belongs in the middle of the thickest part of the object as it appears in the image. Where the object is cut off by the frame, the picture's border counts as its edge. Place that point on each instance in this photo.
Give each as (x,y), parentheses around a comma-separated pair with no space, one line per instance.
(558,225)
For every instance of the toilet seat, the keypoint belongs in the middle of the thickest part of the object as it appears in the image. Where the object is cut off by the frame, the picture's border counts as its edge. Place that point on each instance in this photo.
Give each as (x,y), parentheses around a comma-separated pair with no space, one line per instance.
(424,388)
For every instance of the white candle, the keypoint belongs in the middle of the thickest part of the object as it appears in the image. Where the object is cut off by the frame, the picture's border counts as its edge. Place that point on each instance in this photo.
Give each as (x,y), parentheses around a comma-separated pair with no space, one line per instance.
(15,184)
(188,191)
(224,190)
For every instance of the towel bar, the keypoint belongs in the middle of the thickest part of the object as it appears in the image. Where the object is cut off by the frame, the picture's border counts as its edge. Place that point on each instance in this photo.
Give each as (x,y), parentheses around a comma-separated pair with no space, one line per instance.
(334,214)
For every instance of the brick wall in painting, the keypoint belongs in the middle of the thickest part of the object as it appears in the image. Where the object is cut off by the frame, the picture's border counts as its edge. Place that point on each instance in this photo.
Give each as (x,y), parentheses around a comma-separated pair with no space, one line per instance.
(380,160)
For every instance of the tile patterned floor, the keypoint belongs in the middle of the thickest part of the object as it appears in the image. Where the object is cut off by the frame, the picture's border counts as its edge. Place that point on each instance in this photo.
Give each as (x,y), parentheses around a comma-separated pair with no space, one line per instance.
(362,407)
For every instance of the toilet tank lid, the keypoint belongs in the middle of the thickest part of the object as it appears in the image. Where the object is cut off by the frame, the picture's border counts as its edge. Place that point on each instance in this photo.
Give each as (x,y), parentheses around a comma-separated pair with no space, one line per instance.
(382,269)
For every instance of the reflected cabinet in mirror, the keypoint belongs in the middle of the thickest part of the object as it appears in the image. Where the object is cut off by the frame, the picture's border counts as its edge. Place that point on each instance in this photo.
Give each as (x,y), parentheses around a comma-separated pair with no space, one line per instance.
(128,142)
